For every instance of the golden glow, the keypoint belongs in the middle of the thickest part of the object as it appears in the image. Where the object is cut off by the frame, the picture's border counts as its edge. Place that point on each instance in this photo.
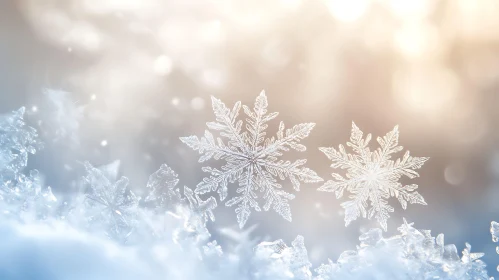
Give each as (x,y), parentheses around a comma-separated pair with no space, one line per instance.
(417,40)
(347,11)
(409,9)
(163,65)
(427,89)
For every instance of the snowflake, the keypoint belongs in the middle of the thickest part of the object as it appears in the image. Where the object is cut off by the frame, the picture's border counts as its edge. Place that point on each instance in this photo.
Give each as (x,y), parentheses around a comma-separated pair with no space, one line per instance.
(109,202)
(251,158)
(372,176)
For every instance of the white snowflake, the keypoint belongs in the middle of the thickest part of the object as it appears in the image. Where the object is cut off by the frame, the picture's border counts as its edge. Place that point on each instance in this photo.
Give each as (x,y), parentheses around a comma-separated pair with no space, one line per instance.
(110,203)
(373,176)
(251,158)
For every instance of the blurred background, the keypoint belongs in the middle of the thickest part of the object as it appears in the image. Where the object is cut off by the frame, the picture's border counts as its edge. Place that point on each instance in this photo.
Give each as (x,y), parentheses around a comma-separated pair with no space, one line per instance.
(124,79)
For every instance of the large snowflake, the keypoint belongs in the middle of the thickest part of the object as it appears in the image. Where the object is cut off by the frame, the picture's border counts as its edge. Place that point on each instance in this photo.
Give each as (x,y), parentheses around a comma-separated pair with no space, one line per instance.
(372,176)
(251,158)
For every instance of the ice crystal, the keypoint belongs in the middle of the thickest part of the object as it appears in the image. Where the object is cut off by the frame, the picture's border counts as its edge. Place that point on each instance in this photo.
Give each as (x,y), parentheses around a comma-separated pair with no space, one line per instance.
(109,201)
(23,195)
(17,141)
(292,260)
(203,208)
(166,196)
(212,249)
(163,192)
(372,176)
(28,199)
(413,254)
(494,231)
(195,214)
(251,158)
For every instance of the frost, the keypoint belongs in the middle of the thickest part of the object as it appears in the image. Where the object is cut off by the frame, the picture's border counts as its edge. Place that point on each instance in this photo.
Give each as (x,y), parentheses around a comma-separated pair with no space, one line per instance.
(494,231)
(413,254)
(168,235)
(29,200)
(291,261)
(165,195)
(251,158)
(162,188)
(109,202)
(372,176)
(212,249)
(17,141)
(23,195)
(202,208)
(195,215)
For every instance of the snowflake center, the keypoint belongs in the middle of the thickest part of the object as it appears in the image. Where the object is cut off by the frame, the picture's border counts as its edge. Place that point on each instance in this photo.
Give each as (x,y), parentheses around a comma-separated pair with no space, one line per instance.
(254,158)
(372,174)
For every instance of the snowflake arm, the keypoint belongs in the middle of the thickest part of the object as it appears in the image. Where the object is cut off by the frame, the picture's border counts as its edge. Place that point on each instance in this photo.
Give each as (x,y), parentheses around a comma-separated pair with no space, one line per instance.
(246,200)
(372,176)
(251,159)
(275,196)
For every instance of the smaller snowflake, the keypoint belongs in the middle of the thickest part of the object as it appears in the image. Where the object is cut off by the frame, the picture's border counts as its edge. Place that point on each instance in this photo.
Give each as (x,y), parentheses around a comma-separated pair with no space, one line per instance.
(109,202)
(372,176)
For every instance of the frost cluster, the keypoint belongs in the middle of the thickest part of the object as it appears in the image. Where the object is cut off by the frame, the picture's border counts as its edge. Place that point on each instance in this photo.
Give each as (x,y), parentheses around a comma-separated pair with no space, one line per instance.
(166,231)
(21,192)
